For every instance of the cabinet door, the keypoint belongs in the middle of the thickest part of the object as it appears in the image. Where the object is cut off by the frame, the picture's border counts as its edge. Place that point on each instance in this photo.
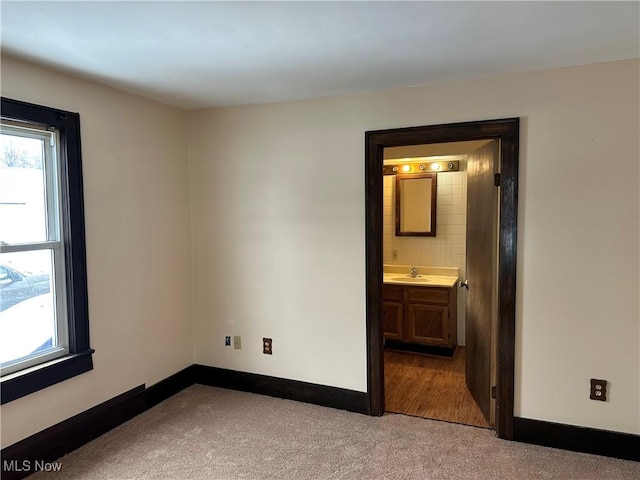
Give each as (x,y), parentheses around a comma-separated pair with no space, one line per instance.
(392,320)
(427,324)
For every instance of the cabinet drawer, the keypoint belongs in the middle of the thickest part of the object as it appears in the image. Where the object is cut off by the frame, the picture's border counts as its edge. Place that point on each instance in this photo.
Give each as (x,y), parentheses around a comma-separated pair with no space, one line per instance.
(427,294)
(392,292)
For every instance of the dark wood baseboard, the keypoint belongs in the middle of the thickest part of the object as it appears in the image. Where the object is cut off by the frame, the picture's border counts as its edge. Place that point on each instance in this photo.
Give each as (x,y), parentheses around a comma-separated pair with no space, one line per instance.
(168,387)
(416,348)
(283,388)
(24,457)
(578,439)
(19,460)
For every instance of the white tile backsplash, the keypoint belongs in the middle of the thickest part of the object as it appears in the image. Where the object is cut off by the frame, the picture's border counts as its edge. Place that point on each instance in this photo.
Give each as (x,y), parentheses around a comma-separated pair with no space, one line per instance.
(457,219)
(456,210)
(445,189)
(444,200)
(447,248)
(444,180)
(458,199)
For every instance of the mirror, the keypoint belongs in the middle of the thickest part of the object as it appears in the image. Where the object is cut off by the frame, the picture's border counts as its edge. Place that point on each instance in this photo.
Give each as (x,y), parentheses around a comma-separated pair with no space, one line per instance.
(416,205)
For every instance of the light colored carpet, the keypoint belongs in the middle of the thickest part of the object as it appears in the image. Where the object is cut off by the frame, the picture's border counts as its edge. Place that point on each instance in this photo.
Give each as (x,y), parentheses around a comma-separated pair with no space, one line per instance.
(212,433)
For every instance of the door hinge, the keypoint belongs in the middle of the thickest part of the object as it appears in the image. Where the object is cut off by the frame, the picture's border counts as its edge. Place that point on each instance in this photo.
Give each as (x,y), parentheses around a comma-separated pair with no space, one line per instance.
(497,180)
(493,391)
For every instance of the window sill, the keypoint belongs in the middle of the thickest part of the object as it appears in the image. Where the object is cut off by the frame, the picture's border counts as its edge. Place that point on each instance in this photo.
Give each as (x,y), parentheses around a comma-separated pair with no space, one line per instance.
(24,382)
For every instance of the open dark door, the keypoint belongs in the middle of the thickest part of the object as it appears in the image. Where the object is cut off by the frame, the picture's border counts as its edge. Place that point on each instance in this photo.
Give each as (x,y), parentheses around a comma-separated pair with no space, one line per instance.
(482,217)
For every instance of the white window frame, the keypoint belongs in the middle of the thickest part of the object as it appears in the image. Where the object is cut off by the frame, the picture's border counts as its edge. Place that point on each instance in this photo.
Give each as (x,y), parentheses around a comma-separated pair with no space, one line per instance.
(53,243)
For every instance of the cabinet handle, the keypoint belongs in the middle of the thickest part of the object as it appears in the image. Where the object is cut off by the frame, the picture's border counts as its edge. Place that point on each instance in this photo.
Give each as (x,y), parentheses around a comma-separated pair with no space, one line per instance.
(464,284)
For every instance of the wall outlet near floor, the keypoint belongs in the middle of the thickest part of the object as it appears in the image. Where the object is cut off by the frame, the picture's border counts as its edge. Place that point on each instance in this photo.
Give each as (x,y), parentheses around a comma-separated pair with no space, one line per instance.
(237,344)
(266,346)
(227,341)
(598,390)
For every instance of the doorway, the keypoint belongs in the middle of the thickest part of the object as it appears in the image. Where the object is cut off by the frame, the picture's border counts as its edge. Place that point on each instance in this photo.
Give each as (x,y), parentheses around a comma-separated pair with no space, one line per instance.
(506,132)
(438,355)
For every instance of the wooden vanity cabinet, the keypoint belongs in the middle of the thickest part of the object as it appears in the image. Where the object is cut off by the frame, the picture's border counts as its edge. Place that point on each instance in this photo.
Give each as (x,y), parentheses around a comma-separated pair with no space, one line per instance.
(420,315)
(393,321)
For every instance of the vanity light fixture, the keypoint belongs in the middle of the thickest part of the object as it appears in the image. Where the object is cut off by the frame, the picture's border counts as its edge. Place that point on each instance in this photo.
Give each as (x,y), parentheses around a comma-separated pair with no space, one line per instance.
(409,168)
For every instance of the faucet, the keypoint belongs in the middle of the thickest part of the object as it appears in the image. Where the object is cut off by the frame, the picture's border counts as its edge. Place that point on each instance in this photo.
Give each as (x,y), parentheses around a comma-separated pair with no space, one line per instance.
(413,273)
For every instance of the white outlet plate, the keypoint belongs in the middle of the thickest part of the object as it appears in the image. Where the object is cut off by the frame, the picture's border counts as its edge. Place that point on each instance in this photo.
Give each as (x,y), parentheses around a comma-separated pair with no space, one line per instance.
(237,343)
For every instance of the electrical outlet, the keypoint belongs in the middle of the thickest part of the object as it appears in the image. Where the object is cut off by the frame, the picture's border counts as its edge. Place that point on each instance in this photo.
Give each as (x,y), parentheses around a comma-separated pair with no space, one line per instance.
(227,341)
(266,346)
(598,390)
(237,344)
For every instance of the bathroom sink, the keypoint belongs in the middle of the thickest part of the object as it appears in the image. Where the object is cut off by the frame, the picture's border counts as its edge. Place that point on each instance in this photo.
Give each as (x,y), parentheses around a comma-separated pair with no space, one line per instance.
(405,278)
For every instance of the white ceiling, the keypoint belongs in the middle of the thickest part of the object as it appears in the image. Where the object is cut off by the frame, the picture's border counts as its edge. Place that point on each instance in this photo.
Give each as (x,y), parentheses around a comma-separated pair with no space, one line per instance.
(203,54)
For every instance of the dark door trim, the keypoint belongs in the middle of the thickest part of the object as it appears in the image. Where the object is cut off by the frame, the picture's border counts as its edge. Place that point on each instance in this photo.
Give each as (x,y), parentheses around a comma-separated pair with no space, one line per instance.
(505,130)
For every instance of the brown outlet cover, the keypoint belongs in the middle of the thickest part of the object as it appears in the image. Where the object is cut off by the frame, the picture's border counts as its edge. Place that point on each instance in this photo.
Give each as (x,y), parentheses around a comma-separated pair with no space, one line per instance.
(266,346)
(598,390)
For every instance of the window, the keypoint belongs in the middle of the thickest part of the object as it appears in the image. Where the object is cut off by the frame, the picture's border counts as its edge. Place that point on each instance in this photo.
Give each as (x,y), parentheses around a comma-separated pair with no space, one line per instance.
(44,334)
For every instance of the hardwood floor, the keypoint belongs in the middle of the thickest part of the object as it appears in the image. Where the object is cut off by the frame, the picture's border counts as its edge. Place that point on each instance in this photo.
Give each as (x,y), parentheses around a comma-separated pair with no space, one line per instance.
(430,387)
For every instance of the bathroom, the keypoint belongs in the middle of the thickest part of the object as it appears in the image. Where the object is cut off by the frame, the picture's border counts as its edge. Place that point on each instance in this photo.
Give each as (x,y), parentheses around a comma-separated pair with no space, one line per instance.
(427,380)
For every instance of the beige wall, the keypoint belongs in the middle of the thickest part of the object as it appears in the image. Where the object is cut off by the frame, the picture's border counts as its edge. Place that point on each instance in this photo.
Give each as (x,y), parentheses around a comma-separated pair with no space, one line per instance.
(277,225)
(277,199)
(138,247)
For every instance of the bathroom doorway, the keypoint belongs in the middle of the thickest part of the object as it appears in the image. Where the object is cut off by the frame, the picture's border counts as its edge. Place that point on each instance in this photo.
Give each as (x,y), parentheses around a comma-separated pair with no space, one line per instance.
(430,370)
(505,133)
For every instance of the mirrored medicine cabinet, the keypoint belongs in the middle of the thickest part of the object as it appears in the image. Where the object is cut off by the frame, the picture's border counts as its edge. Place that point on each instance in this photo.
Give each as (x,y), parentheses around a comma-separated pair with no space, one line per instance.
(416,205)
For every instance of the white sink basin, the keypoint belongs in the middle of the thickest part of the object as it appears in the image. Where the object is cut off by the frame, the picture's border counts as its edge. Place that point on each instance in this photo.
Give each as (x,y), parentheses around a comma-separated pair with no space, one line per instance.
(409,279)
